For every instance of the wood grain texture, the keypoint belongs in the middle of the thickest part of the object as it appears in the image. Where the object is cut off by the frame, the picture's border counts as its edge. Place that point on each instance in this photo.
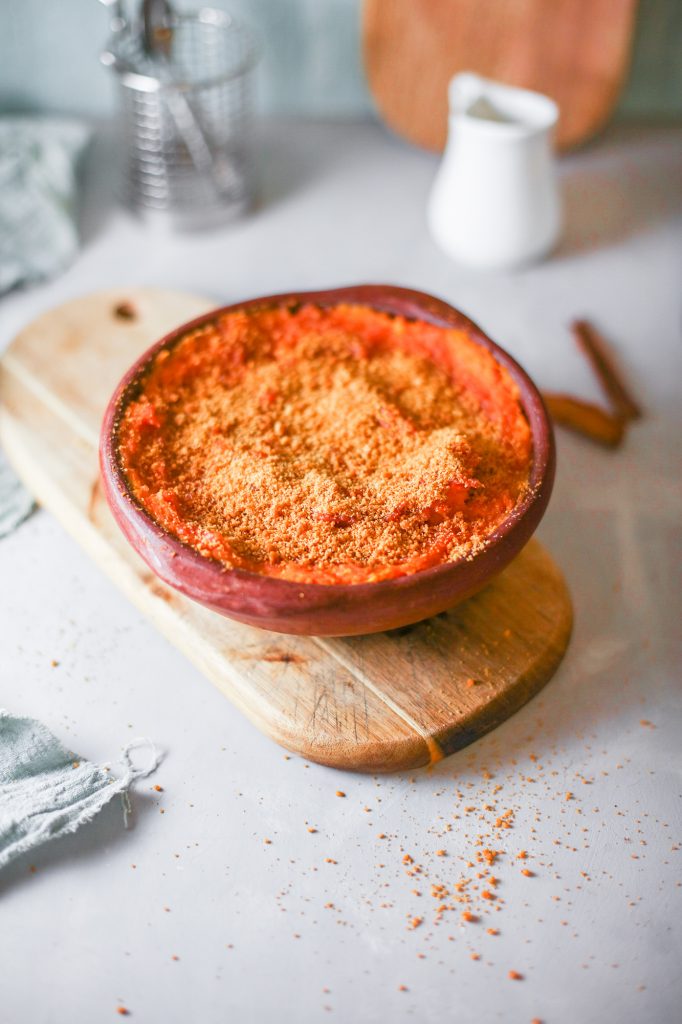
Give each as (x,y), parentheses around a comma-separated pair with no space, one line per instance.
(576,51)
(375,703)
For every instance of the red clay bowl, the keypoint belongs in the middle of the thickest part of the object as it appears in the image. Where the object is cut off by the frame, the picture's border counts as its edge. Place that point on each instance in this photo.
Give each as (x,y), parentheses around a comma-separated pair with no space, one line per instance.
(332,609)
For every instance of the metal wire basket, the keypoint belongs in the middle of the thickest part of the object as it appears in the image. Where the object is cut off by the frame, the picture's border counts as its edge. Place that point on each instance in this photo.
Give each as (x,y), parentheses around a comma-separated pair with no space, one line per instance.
(186,118)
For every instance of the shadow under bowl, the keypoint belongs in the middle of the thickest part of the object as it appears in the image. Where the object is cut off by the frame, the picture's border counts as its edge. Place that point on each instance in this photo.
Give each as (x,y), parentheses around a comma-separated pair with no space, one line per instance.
(314,609)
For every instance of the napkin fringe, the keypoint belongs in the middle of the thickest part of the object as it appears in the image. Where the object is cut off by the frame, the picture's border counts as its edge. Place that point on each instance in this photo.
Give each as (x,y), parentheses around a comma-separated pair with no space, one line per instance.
(47,791)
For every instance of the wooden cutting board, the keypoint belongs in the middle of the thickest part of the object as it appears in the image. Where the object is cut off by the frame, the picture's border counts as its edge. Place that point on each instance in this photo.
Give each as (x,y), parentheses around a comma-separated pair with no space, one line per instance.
(576,51)
(372,703)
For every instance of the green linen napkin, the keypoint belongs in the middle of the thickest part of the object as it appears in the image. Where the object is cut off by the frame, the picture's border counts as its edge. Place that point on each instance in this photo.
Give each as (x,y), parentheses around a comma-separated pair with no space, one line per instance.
(38,232)
(47,791)
(38,163)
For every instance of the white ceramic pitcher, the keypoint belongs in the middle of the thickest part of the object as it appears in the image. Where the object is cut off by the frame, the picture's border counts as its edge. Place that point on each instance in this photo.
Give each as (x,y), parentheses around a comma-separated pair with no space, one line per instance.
(495,200)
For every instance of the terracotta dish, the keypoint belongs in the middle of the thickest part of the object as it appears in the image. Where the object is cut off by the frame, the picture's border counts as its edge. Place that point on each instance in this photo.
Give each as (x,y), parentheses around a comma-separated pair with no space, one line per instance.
(271,601)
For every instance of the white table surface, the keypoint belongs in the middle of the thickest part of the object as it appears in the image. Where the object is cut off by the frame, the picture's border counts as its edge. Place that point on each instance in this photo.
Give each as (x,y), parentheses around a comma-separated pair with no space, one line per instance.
(596,932)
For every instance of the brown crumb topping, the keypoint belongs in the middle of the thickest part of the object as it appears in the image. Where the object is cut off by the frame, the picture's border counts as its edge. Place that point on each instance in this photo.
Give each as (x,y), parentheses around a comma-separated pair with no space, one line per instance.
(336,445)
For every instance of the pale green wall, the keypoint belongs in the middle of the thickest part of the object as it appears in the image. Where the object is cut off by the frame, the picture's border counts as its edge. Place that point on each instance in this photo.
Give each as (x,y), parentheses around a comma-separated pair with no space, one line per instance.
(311,64)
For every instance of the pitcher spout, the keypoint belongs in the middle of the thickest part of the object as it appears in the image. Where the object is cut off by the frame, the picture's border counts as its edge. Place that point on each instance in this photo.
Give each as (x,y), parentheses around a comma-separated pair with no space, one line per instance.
(505,109)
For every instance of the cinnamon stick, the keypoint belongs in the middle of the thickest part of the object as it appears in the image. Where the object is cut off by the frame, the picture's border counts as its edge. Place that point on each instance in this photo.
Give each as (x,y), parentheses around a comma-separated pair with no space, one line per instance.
(586,419)
(597,351)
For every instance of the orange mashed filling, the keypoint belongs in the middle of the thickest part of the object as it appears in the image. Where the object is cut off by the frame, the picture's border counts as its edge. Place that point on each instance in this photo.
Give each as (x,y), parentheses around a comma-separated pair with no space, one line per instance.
(326,445)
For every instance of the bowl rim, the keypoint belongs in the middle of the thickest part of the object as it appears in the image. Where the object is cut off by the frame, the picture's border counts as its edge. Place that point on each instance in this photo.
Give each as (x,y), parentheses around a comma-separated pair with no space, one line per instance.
(377,296)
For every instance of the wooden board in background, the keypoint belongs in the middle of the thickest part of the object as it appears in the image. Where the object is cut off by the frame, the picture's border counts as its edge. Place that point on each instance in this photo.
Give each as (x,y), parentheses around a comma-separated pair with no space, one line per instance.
(374,703)
(576,51)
